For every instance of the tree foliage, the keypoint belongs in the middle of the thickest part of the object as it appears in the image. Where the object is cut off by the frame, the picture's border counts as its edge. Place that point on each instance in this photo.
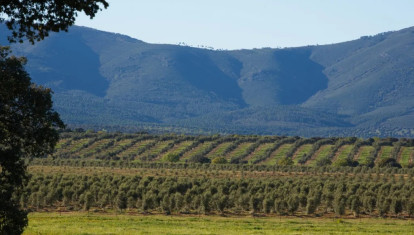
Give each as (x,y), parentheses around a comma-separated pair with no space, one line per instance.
(34,19)
(298,194)
(27,121)
(27,129)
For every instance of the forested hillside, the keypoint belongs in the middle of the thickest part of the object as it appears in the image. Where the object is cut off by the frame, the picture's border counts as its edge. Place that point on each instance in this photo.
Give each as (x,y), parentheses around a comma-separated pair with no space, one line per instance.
(359,88)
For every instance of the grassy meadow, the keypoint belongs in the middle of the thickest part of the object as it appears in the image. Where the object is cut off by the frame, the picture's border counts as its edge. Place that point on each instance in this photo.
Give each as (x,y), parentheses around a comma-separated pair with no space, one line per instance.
(84,223)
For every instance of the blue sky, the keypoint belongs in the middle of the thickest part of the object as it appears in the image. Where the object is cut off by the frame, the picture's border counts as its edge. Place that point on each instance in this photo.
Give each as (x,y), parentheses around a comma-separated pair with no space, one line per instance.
(236,24)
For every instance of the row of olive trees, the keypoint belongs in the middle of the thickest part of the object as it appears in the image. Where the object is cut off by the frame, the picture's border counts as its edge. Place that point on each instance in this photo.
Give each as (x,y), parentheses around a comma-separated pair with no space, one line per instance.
(111,148)
(284,196)
(214,167)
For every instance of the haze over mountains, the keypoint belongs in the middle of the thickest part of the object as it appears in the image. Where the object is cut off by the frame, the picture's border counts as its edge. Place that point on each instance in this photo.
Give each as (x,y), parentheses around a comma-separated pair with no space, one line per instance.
(363,87)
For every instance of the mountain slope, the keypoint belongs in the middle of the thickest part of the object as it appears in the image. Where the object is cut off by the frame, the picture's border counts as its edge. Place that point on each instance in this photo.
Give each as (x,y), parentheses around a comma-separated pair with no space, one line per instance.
(363,87)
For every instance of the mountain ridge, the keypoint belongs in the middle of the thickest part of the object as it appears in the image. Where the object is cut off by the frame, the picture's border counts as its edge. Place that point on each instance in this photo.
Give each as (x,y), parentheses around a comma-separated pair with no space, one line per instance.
(363,87)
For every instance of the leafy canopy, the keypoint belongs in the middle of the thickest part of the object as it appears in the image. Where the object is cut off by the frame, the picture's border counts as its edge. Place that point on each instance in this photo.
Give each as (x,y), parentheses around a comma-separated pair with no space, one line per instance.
(27,128)
(34,19)
(27,121)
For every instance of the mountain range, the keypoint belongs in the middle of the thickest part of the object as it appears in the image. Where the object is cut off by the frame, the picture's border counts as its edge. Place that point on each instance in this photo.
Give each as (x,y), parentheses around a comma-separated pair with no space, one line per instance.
(363,87)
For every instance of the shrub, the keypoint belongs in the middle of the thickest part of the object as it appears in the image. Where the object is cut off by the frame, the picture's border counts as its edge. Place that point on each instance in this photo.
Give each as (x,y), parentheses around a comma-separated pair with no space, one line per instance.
(172,157)
(219,160)
(389,162)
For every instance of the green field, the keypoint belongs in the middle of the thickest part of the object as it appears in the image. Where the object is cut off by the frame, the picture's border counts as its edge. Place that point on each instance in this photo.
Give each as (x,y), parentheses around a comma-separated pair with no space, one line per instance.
(261,150)
(363,154)
(177,149)
(136,148)
(304,149)
(406,155)
(94,148)
(240,150)
(278,154)
(157,149)
(219,150)
(197,150)
(342,153)
(83,223)
(108,173)
(320,154)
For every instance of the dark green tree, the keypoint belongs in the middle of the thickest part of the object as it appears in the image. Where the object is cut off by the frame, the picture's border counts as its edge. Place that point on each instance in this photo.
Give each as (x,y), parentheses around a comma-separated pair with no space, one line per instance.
(410,207)
(396,206)
(121,201)
(147,202)
(281,206)
(311,206)
(293,204)
(27,129)
(355,205)
(27,121)
(339,205)
(34,19)
(205,202)
(369,203)
(383,205)
(221,202)
(267,204)
(166,205)
(88,197)
(179,201)
(254,203)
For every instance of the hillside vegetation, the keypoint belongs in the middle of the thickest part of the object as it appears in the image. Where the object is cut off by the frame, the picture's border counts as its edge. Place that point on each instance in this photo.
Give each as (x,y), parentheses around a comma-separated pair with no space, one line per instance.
(358,88)
(236,149)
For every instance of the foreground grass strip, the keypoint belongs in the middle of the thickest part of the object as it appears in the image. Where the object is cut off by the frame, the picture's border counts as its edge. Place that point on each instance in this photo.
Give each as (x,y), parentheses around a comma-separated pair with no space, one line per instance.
(83,223)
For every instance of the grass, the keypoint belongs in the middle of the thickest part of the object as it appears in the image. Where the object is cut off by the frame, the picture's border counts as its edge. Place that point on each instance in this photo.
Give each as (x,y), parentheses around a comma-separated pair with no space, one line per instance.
(342,153)
(321,154)
(278,154)
(134,149)
(304,149)
(62,142)
(197,150)
(83,223)
(385,152)
(157,148)
(405,155)
(219,150)
(117,146)
(177,148)
(363,154)
(75,145)
(240,150)
(260,151)
(93,148)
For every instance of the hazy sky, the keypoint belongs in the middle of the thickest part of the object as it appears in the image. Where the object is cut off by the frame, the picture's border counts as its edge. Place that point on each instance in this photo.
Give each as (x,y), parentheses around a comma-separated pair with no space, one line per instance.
(235,24)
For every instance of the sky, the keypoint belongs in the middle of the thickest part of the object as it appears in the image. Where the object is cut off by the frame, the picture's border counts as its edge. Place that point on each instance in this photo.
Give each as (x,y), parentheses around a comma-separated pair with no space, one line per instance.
(246,24)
